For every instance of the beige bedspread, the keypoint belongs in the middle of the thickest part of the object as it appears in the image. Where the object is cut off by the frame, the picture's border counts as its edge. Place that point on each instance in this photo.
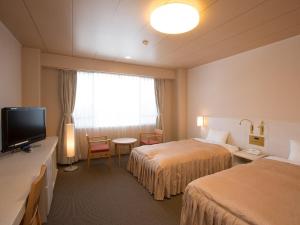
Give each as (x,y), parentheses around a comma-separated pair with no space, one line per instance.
(165,169)
(265,192)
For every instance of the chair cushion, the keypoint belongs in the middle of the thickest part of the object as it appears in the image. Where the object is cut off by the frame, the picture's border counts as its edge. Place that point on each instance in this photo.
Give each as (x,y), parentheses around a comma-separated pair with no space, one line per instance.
(99,147)
(149,142)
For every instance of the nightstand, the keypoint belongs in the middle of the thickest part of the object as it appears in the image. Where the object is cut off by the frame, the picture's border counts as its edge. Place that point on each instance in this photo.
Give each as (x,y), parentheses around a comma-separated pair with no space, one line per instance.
(242,156)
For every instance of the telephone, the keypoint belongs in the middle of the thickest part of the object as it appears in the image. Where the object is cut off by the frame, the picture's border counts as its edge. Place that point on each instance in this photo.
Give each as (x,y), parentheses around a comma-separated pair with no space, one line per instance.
(253,151)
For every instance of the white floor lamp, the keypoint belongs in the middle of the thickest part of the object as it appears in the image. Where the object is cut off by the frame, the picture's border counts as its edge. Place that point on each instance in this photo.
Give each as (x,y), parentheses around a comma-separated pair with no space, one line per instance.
(70,144)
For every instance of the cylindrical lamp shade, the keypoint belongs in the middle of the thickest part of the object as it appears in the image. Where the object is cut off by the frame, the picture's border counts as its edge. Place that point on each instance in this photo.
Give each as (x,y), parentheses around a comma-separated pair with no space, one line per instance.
(200,121)
(70,139)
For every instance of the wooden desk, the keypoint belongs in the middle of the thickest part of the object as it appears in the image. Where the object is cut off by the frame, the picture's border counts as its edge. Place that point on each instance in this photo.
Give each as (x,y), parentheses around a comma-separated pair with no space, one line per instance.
(17,171)
(123,141)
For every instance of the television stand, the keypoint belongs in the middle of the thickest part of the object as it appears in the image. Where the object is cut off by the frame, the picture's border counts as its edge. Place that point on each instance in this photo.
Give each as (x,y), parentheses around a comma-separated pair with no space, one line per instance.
(26,148)
(35,145)
(17,171)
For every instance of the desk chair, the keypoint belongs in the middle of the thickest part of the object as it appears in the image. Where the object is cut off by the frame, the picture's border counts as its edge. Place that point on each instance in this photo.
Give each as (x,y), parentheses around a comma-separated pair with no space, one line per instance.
(32,214)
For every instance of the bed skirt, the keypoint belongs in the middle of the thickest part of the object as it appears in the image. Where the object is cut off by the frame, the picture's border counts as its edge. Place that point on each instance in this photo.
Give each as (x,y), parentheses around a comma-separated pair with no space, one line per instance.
(172,180)
(197,209)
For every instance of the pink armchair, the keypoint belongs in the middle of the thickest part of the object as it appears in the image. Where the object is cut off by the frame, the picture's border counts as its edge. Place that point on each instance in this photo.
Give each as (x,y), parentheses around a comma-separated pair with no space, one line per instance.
(155,137)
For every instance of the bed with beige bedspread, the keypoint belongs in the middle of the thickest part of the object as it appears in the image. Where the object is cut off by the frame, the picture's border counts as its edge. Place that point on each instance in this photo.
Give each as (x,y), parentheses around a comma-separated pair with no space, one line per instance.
(165,169)
(265,192)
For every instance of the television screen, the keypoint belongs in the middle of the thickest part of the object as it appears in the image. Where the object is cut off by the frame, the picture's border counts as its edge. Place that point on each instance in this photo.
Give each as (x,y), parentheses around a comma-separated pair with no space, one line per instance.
(22,126)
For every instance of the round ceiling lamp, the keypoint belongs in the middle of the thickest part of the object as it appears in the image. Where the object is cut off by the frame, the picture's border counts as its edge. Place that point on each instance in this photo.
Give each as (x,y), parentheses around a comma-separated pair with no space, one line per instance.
(175,18)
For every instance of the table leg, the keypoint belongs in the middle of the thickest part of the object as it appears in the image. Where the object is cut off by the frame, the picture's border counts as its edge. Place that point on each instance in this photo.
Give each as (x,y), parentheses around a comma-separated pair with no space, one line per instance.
(119,157)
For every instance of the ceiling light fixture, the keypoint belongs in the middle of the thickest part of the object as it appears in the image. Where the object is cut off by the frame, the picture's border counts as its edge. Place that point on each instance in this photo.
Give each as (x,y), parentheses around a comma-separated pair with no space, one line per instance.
(175,17)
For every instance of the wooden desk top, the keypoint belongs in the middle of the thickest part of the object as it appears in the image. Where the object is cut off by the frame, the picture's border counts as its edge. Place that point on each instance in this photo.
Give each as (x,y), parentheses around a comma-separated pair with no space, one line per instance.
(17,171)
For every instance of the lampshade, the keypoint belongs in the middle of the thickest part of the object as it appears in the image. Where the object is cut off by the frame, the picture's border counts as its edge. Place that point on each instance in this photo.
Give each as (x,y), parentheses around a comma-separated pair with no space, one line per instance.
(70,139)
(175,18)
(200,121)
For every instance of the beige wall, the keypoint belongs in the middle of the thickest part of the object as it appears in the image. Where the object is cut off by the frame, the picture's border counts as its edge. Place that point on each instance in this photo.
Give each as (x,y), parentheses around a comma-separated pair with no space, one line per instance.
(263,83)
(85,64)
(31,77)
(51,100)
(10,73)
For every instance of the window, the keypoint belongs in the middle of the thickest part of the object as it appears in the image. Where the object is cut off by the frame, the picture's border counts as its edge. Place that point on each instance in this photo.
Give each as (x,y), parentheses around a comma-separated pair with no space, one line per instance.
(110,100)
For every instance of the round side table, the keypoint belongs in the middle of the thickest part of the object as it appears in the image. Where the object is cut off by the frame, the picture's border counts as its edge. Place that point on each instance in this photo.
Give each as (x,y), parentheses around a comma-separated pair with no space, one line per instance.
(123,141)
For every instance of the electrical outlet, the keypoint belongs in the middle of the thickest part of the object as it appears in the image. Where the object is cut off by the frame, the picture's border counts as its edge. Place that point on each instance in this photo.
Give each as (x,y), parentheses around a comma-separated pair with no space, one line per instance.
(257,140)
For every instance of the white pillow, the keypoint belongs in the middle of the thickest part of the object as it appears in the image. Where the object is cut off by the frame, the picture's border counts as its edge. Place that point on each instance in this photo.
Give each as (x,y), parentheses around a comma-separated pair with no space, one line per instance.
(294,151)
(217,136)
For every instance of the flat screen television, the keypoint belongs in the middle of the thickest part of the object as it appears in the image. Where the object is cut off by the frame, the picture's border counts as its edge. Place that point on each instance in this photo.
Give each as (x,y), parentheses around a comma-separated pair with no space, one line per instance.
(22,126)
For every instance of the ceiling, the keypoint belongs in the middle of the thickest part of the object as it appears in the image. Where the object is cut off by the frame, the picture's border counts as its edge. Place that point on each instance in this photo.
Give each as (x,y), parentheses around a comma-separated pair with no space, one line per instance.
(113,29)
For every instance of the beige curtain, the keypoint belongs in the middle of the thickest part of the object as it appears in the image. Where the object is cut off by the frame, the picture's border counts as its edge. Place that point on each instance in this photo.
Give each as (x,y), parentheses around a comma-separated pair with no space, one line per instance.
(159,86)
(68,83)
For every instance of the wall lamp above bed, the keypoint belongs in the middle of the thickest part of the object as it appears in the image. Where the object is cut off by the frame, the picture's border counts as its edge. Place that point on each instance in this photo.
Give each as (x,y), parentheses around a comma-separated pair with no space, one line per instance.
(251,124)
(255,139)
(200,121)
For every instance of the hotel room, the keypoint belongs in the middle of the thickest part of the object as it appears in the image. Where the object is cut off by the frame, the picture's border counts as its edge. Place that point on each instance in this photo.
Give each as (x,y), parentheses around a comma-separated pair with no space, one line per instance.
(150,112)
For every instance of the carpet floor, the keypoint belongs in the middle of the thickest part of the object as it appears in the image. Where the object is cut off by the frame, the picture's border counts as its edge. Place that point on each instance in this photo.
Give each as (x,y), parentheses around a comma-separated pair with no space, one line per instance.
(108,195)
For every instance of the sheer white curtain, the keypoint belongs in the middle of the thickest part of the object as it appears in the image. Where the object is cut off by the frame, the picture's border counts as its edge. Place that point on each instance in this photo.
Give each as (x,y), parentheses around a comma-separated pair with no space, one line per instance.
(113,105)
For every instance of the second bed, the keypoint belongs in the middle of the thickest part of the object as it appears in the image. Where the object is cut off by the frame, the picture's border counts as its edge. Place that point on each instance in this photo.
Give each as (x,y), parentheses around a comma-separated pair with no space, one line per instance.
(166,169)
(264,192)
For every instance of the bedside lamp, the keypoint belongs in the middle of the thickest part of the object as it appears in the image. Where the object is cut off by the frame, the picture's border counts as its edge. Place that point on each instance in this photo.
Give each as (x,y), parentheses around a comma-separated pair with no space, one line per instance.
(70,145)
(200,121)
